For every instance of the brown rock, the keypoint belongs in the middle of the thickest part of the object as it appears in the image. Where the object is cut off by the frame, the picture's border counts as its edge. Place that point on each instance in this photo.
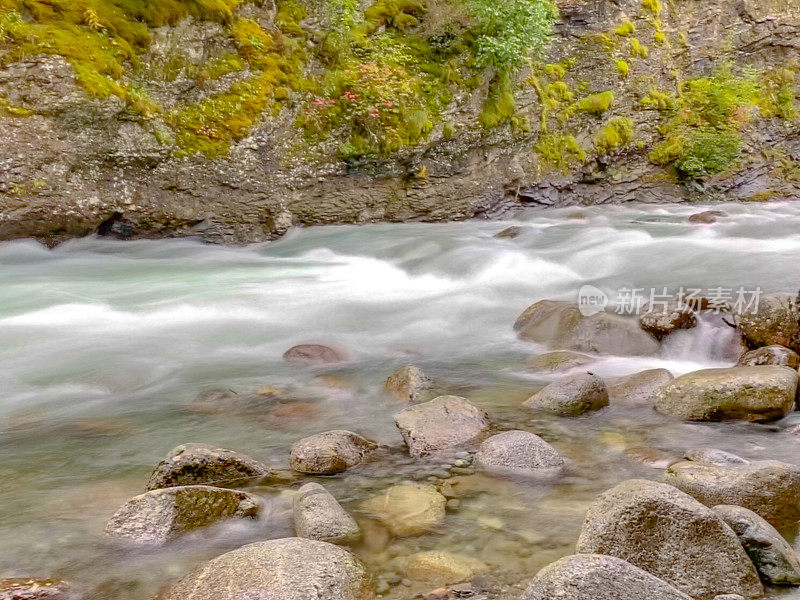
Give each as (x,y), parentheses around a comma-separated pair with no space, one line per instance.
(314,354)
(329,452)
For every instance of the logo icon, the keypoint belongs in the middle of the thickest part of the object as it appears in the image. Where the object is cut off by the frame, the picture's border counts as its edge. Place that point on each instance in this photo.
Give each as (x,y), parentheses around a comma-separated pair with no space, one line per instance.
(591,300)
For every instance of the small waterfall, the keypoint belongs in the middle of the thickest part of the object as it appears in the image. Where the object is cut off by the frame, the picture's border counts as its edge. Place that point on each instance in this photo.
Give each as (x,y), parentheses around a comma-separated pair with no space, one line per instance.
(712,340)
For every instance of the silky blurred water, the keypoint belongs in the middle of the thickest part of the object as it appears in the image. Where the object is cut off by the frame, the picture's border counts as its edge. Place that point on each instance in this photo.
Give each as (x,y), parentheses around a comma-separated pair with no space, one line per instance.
(104,343)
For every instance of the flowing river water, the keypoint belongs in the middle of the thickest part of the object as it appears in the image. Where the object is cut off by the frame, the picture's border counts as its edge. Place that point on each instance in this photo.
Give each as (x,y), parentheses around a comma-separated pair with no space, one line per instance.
(104,346)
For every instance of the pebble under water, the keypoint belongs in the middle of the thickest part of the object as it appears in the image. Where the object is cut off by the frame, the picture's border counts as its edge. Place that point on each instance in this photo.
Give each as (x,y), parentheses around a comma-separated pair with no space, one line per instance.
(105,345)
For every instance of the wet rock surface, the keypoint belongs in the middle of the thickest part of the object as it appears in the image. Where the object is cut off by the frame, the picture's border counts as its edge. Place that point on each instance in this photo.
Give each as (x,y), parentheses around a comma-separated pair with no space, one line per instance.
(408,383)
(666,532)
(638,389)
(318,516)
(771,355)
(407,509)
(159,516)
(774,320)
(204,464)
(329,452)
(286,569)
(519,453)
(769,488)
(442,423)
(741,393)
(571,396)
(598,577)
(773,557)
(25,588)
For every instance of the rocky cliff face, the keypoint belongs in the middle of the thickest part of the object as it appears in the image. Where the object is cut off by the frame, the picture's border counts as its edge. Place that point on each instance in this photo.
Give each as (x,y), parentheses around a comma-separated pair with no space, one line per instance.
(690,100)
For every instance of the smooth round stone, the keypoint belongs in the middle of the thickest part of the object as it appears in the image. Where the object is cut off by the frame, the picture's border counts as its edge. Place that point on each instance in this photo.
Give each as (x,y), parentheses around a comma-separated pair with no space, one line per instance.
(519,453)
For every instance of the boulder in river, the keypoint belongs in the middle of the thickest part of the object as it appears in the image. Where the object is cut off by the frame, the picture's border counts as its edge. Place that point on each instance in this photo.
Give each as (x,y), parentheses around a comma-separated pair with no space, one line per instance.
(769,488)
(407,509)
(442,568)
(519,453)
(739,393)
(158,516)
(598,577)
(407,383)
(204,464)
(329,452)
(571,396)
(444,422)
(771,355)
(713,456)
(774,320)
(706,216)
(663,320)
(774,558)
(32,588)
(283,569)
(314,354)
(638,389)
(318,516)
(561,325)
(559,360)
(672,536)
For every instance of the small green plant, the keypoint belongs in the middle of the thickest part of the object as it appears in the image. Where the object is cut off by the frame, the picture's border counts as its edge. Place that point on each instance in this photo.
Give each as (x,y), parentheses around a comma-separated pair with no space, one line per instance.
(595,104)
(638,49)
(660,100)
(560,150)
(616,133)
(709,151)
(627,28)
(623,68)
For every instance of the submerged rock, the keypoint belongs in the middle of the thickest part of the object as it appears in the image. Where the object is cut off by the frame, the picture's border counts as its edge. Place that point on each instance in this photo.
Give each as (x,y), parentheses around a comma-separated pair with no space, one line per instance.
(329,452)
(598,577)
(561,325)
(27,588)
(771,355)
(442,423)
(284,569)
(318,516)
(519,453)
(774,558)
(712,456)
(571,396)
(407,509)
(158,516)
(407,383)
(738,393)
(314,354)
(639,389)
(670,535)
(442,568)
(769,488)
(204,464)
(510,232)
(706,216)
(559,360)
(774,321)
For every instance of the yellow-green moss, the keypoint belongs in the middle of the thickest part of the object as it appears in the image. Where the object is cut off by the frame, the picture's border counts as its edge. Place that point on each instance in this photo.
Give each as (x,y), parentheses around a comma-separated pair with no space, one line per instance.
(616,133)
(625,29)
(638,49)
(595,104)
(399,14)
(652,6)
(9,110)
(560,151)
(623,68)
(660,100)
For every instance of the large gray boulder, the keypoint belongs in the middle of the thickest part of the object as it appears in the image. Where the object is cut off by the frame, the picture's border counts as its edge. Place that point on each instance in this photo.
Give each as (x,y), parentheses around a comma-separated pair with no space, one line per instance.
(284,569)
(318,516)
(672,536)
(638,389)
(769,488)
(738,393)
(204,464)
(774,558)
(561,325)
(158,516)
(519,453)
(444,422)
(771,355)
(407,509)
(774,321)
(571,396)
(329,452)
(598,577)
